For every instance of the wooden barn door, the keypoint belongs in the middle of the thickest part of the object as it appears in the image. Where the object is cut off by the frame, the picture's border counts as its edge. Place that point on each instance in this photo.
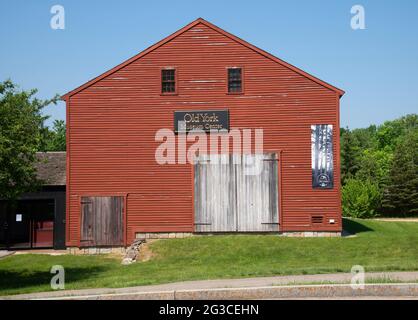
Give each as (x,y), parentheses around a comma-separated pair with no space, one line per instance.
(238,195)
(257,193)
(101,221)
(214,194)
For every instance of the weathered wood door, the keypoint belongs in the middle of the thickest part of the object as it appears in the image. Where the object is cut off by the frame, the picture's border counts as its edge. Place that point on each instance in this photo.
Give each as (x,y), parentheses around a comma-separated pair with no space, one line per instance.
(257,193)
(102,221)
(236,193)
(215,205)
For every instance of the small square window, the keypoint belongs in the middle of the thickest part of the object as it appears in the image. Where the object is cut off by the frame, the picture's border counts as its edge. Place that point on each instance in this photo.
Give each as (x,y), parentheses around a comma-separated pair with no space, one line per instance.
(234,80)
(168,81)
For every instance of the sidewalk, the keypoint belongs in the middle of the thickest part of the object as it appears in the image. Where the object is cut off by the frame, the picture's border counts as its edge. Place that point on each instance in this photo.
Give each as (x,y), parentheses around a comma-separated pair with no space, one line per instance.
(290,287)
(5,253)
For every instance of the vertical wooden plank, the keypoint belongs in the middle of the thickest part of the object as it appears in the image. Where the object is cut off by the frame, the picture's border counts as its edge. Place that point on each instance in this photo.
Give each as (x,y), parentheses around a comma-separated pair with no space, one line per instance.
(87,222)
(116,224)
(112,221)
(116,227)
(125,220)
(121,229)
(232,192)
(272,219)
(101,222)
(98,222)
(196,200)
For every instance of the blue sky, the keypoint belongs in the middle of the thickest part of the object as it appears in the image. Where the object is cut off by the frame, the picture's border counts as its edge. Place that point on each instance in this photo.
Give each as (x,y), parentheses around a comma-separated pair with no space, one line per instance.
(377,67)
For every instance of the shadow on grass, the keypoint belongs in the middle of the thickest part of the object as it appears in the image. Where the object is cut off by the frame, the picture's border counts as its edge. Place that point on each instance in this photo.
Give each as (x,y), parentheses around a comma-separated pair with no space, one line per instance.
(16,280)
(354,227)
(398,215)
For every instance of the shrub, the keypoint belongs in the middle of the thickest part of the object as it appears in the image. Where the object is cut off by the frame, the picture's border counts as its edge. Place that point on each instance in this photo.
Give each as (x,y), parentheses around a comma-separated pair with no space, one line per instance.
(360,199)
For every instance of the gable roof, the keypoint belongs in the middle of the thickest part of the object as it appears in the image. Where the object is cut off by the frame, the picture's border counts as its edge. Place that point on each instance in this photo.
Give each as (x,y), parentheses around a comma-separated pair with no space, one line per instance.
(51,168)
(221,31)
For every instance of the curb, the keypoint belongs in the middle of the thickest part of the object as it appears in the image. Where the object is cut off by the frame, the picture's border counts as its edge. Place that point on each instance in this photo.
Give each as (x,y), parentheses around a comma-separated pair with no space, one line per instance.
(247,293)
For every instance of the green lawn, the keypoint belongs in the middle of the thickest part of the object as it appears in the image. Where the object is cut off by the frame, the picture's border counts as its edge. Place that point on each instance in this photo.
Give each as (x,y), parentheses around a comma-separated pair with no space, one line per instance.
(378,246)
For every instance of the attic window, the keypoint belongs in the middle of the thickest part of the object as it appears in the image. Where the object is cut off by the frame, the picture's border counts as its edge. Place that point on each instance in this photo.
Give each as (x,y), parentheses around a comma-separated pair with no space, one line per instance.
(168,81)
(234,80)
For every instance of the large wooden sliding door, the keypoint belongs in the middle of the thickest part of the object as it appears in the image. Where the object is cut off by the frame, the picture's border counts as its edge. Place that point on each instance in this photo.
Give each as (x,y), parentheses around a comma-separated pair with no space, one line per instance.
(236,193)
(257,193)
(102,221)
(215,207)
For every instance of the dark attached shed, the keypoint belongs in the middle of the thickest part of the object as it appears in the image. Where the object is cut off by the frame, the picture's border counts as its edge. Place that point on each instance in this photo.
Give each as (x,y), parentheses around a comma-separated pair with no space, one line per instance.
(38,219)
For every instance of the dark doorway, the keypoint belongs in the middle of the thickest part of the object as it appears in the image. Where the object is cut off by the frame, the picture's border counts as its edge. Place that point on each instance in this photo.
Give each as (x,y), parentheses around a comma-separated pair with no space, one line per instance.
(27,224)
(101,221)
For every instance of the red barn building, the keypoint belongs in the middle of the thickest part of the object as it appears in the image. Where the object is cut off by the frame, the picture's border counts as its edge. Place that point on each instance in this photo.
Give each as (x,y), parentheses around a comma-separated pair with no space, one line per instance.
(116,188)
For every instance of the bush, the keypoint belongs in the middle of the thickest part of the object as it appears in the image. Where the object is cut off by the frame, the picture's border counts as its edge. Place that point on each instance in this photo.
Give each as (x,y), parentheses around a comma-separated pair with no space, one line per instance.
(360,199)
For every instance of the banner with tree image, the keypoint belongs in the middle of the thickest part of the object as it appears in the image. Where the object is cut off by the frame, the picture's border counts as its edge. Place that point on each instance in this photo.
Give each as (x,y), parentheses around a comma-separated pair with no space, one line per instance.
(322,156)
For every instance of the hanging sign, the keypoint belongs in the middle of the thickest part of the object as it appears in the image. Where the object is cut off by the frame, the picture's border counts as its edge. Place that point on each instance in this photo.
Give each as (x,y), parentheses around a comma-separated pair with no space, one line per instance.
(206,120)
(322,156)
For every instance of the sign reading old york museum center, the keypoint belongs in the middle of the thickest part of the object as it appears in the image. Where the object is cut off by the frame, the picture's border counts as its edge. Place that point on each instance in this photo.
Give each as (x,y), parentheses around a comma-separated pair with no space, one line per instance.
(185,121)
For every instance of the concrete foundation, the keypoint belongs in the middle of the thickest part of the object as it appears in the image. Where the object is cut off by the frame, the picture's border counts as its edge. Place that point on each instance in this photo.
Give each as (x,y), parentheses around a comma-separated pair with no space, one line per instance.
(77,251)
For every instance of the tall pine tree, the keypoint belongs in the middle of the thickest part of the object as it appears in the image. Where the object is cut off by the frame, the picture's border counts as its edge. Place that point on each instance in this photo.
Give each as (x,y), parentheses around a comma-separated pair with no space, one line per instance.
(349,155)
(401,194)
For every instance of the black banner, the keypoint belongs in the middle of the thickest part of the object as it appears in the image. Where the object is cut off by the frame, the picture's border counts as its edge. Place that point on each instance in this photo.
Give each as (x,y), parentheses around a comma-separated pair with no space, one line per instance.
(213,309)
(205,120)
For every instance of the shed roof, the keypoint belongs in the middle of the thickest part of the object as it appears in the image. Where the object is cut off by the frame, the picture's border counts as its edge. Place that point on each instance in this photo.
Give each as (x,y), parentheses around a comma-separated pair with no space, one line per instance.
(51,168)
(221,31)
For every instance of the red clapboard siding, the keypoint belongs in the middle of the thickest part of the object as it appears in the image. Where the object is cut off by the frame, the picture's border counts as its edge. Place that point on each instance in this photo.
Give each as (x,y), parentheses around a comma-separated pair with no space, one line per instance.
(112,121)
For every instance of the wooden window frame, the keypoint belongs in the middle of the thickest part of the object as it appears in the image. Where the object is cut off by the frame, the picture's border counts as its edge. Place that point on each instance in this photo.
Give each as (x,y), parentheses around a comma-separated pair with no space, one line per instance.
(242,80)
(175,82)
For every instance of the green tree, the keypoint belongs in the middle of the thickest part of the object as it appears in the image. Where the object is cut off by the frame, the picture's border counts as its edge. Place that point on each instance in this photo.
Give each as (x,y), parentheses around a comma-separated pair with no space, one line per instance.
(390,133)
(375,165)
(401,194)
(366,137)
(367,154)
(55,139)
(360,199)
(21,133)
(349,155)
